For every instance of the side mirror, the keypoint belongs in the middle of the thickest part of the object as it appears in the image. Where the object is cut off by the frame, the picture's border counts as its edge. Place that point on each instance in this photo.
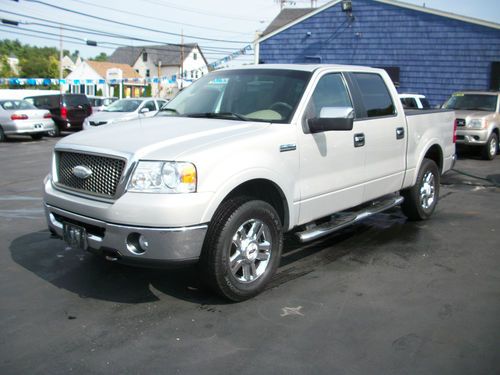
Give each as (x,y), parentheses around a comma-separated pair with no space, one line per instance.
(144,110)
(332,118)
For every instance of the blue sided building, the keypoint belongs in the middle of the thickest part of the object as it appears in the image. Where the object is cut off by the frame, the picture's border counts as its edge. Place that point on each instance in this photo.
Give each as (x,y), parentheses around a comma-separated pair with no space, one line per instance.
(425,51)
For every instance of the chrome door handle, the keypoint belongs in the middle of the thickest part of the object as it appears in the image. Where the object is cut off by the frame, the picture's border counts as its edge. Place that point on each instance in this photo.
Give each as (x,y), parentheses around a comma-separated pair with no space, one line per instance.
(400,133)
(359,140)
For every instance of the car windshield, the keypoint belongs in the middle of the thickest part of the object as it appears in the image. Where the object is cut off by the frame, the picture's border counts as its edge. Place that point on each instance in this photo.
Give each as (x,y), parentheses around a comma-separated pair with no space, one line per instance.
(16,104)
(472,102)
(123,106)
(267,95)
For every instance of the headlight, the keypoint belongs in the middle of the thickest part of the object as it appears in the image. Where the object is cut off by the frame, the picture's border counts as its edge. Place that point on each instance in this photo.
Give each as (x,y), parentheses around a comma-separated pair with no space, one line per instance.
(163,177)
(476,124)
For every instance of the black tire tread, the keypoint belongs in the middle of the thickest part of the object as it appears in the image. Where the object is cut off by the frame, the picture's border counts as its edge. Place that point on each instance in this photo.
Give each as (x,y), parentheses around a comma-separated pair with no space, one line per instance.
(411,205)
(211,274)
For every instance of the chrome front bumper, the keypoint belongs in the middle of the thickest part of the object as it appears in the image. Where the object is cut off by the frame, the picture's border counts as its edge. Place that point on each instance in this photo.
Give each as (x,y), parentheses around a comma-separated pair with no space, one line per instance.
(159,246)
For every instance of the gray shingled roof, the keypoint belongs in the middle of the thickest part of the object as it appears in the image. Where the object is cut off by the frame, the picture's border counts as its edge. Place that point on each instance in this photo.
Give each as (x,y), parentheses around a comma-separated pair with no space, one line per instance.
(168,55)
(286,16)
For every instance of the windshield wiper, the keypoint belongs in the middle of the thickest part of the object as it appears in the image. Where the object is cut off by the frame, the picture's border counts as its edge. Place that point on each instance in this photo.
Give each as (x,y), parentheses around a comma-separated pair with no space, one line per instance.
(223,115)
(169,110)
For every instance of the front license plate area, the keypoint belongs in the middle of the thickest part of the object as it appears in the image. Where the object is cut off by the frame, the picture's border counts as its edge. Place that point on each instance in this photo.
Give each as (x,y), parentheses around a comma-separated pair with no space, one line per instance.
(75,236)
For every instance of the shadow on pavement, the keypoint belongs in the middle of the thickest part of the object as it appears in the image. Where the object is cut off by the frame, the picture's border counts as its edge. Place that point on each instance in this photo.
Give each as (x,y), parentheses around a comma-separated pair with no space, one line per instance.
(90,276)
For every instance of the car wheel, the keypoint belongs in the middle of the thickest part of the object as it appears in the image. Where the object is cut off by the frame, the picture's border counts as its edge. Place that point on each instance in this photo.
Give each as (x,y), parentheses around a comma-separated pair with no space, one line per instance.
(3,137)
(242,248)
(36,136)
(489,151)
(421,199)
(54,133)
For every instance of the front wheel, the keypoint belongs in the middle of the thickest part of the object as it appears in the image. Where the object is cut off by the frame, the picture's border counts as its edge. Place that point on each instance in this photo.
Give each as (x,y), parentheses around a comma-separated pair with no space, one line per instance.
(421,199)
(242,248)
(489,150)
(3,137)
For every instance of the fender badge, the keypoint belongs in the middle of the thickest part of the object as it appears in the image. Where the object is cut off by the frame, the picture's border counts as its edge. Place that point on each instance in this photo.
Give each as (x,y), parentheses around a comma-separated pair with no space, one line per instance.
(82,172)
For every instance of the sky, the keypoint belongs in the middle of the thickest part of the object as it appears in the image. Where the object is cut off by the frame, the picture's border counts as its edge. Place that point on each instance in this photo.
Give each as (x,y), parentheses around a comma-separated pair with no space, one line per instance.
(220,27)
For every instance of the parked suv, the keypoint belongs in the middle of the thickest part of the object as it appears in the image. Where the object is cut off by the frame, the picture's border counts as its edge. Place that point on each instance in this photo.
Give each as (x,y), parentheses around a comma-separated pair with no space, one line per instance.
(68,110)
(477,120)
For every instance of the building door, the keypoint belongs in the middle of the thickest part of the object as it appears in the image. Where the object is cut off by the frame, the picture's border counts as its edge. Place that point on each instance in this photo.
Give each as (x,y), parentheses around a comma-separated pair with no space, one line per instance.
(495,76)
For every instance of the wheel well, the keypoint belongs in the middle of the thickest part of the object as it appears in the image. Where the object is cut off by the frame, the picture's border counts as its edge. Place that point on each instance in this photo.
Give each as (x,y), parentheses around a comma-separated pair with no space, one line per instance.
(436,154)
(266,191)
(496,132)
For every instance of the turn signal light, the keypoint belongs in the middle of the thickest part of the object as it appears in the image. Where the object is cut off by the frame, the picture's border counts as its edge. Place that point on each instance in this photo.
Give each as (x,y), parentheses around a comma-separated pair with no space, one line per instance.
(18,117)
(455,131)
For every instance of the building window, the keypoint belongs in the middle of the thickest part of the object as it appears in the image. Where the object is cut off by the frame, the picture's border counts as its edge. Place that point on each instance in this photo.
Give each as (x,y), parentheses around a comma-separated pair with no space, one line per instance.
(495,76)
(148,73)
(192,75)
(195,56)
(196,74)
(144,56)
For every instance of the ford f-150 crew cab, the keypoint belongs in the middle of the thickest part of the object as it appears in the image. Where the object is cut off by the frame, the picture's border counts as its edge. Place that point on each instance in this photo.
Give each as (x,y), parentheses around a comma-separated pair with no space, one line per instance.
(241,157)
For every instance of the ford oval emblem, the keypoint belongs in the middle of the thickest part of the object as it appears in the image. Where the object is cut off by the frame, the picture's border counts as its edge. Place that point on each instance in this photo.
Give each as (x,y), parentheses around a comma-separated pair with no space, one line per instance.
(82,171)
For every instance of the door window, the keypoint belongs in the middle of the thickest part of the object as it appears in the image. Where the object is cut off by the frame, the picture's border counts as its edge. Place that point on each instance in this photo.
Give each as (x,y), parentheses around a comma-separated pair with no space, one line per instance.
(329,92)
(375,96)
(150,105)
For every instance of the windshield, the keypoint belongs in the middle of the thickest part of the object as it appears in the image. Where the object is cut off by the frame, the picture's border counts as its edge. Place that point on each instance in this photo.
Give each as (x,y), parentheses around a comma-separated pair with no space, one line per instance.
(268,95)
(123,106)
(16,104)
(472,102)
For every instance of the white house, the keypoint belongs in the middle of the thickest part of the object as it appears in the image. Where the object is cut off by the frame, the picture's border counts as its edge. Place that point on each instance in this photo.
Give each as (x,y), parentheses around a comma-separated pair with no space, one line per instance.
(89,77)
(175,66)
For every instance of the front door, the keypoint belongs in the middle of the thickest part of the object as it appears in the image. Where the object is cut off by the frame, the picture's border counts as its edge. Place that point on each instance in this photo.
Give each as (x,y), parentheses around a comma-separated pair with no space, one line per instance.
(331,164)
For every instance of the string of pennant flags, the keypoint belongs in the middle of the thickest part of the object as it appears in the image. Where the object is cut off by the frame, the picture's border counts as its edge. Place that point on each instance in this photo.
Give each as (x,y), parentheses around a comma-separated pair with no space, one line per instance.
(148,80)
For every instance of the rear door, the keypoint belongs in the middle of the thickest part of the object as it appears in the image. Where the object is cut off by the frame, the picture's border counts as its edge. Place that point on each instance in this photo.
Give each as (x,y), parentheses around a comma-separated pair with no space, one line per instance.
(78,108)
(384,132)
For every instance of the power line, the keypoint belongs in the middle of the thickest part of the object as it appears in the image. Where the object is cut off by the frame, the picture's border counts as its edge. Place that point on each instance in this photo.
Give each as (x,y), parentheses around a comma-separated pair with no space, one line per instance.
(101,33)
(203,12)
(157,18)
(130,25)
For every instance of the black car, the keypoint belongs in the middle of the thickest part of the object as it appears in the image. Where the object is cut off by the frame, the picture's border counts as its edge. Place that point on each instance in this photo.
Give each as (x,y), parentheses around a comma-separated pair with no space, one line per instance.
(68,110)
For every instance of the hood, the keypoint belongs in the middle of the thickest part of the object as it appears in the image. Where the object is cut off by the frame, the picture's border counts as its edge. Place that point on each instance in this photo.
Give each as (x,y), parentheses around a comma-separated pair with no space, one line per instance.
(115,116)
(471,114)
(158,137)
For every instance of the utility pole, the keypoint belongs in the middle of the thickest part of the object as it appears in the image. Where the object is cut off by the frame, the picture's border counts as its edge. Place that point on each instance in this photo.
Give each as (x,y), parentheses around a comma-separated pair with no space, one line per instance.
(159,79)
(60,59)
(182,59)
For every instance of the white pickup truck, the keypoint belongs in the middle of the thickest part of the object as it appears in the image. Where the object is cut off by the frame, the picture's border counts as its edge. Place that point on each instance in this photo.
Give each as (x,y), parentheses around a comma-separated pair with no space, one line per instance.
(238,159)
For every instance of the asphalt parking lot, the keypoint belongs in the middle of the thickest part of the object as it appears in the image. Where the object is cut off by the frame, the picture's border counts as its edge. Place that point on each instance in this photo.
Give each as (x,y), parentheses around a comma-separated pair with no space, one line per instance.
(383,297)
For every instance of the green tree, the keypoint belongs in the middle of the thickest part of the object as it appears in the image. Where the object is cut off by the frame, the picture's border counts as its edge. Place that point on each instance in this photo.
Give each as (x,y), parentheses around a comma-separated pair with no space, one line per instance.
(5,70)
(100,57)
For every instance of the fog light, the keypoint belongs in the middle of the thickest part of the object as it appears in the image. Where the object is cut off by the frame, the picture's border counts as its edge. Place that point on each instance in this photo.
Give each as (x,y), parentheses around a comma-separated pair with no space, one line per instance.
(137,243)
(143,242)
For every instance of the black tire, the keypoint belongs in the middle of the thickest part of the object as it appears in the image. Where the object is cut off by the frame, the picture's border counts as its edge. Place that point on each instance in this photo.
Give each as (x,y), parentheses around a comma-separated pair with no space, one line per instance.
(490,149)
(3,137)
(228,229)
(55,133)
(36,136)
(421,199)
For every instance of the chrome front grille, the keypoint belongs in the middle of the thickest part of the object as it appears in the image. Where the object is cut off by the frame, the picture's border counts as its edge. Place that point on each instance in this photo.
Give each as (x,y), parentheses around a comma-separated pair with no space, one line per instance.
(104,179)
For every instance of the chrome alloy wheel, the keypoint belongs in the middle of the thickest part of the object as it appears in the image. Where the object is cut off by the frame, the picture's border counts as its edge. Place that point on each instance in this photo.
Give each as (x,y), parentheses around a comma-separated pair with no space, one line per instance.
(427,190)
(493,147)
(250,251)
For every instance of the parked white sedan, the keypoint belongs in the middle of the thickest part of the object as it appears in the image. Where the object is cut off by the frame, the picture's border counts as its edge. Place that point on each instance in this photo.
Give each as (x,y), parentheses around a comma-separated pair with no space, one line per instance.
(22,117)
(124,110)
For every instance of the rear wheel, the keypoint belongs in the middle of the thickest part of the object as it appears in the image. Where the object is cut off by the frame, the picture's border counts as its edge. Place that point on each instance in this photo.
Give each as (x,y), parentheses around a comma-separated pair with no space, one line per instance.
(421,199)
(489,150)
(36,136)
(55,133)
(242,248)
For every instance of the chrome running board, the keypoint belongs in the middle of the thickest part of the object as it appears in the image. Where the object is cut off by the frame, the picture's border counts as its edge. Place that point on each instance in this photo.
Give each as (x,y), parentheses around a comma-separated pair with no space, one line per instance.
(344,219)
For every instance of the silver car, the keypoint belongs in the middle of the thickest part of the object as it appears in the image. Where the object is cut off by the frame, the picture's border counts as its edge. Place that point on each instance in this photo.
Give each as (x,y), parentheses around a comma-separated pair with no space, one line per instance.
(124,110)
(22,117)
